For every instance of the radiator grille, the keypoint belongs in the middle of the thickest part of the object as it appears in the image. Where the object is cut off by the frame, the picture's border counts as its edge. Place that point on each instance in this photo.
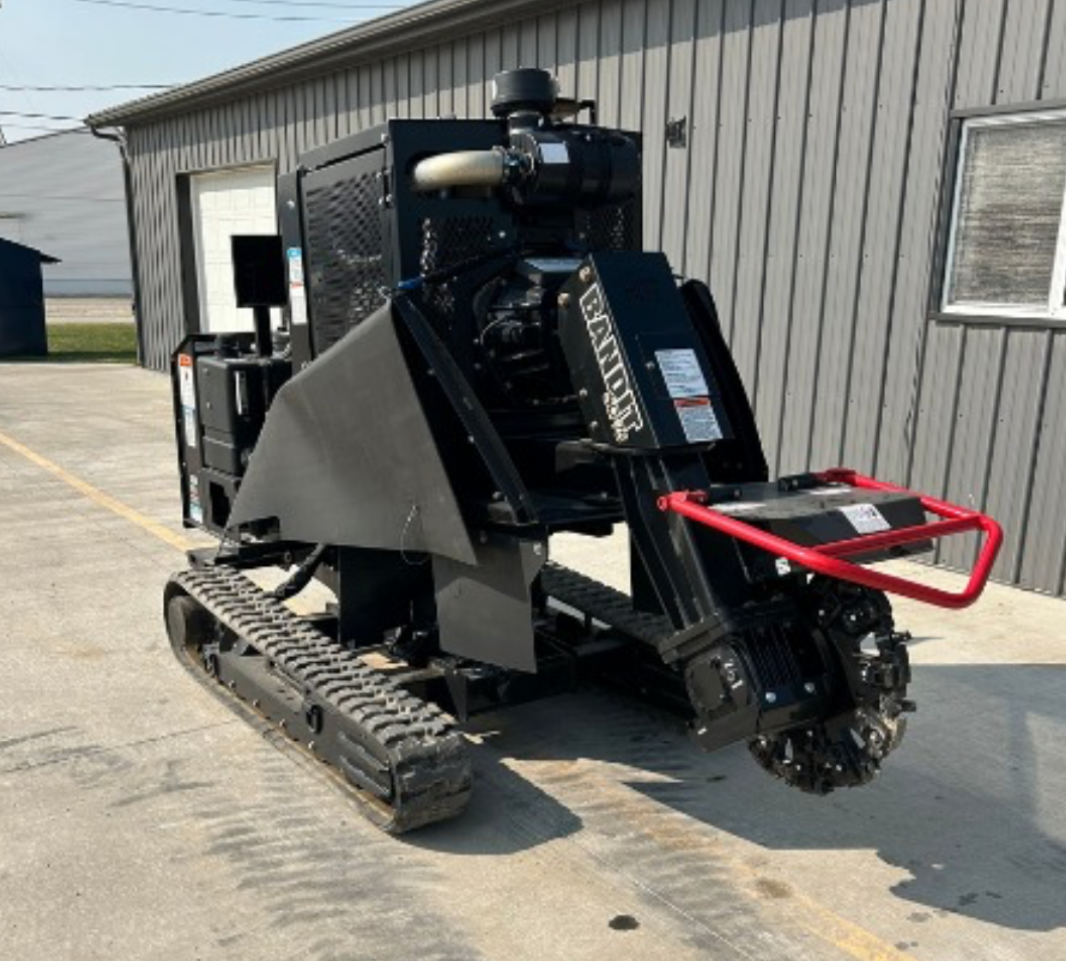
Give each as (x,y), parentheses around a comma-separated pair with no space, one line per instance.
(346,251)
(449,242)
(612,227)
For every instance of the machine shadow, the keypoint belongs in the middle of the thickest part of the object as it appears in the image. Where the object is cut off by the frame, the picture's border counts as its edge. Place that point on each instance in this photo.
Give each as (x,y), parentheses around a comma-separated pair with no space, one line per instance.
(507,814)
(969,806)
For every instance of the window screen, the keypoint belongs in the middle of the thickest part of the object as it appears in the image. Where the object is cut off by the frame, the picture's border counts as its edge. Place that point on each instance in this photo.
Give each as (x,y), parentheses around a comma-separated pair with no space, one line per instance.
(1007,223)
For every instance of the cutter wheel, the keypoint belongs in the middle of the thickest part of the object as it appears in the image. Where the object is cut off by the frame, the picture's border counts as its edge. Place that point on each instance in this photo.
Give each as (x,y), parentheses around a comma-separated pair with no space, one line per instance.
(400,756)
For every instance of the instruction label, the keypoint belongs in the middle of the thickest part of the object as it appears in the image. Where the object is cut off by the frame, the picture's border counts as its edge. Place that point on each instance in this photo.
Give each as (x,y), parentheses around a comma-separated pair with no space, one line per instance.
(187,393)
(297,288)
(186,383)
(682,373)
(865,518)
(698,420)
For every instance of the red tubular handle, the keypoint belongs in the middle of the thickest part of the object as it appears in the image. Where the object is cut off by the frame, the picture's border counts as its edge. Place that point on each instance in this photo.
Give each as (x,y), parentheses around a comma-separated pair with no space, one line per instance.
(825,558)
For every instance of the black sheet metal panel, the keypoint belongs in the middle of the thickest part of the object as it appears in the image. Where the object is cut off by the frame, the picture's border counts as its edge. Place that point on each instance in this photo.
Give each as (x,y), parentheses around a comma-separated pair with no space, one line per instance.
(645,379)
(22,328)
(484,612)
(347,457)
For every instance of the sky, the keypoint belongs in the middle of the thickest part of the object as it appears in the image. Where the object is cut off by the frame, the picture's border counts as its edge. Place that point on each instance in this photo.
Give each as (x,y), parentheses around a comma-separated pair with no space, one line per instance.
(49,43)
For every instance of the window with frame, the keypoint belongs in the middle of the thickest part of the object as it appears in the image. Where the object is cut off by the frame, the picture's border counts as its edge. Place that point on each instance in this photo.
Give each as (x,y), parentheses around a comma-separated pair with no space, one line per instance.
(1006,251)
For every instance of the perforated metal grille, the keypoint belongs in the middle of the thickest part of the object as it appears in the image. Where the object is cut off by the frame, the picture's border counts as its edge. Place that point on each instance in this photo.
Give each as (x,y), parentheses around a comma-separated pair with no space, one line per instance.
(346,252)
(448,242)
(614,227)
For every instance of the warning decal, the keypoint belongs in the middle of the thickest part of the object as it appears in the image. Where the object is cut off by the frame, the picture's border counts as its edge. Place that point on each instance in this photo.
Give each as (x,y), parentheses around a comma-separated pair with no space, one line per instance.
(698,420)
(185,382)
(187,391)
(865,518)
(682,373)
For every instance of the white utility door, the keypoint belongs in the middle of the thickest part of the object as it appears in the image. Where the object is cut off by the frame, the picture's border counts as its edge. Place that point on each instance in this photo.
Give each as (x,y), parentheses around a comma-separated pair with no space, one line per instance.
(223,204)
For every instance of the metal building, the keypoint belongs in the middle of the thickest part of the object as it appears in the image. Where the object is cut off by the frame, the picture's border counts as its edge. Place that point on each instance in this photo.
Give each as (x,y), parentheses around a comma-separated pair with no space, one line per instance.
(873,189)
(64,193)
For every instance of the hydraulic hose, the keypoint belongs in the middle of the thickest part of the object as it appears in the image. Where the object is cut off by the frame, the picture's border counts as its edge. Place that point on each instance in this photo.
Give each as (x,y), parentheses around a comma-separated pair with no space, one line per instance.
(301,577)
(464,168)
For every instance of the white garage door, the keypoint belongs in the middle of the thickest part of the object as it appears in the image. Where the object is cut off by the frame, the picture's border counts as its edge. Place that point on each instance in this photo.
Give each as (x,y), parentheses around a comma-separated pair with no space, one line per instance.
(232,202)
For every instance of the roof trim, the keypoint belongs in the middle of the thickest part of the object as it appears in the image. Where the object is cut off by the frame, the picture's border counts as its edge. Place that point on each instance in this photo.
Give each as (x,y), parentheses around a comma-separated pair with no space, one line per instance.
(42,256)
(430,22)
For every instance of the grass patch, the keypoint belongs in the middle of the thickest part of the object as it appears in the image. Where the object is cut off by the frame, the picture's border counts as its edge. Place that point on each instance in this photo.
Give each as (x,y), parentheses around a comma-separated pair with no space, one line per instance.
(89,343)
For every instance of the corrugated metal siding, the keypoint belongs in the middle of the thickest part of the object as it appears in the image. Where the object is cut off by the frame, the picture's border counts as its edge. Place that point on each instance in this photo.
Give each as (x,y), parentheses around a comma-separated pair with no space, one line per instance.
(66,194)
(807,197)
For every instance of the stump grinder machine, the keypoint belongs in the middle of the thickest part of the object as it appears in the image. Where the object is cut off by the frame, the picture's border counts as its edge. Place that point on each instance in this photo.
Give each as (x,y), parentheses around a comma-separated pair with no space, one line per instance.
(474,354)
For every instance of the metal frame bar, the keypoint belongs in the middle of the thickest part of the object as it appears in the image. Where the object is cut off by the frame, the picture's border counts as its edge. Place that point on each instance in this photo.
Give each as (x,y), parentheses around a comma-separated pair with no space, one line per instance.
(826,558)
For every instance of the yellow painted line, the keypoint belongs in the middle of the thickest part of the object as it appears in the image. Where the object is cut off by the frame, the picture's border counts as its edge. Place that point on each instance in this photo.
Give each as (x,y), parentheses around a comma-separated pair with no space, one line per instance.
(846,935)
(98,497)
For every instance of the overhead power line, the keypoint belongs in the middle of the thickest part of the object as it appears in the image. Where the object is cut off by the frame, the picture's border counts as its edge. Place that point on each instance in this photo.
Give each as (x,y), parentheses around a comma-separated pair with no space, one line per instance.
(327,4)
(189,12)
(72,198)
(35,126)
(38,116)
(88,86)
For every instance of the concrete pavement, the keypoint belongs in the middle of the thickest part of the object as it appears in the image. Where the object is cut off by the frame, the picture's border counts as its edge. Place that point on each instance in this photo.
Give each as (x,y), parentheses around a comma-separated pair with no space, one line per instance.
(139,820)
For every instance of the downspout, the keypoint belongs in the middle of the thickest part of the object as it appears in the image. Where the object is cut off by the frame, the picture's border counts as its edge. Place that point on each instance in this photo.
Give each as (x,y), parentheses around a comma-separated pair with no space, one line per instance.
(119,137)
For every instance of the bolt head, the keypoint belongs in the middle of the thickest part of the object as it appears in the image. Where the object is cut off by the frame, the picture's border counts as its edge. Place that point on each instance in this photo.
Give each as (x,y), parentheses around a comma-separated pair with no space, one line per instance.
(771,697)
(564,300)
(586,275)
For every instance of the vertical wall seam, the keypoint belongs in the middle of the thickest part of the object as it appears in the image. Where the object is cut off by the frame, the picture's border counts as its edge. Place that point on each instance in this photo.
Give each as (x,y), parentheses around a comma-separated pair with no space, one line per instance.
(745,113)
(768,221)
(1005,6)
(669,51)
(950,92)
(717,142)
(690,115)
(830,223)
(901,213)
(860,260)
(1041,77)
(953,424)
(1034,457)
(993,433)
(599,51)
(800,193)
(643,71)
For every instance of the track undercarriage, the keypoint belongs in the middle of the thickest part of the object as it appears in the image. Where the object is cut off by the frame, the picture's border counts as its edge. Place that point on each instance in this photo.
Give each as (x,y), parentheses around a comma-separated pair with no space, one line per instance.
(372,717)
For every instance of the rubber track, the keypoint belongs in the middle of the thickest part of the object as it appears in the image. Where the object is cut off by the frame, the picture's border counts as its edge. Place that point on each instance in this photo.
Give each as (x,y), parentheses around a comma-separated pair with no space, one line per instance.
(604,603)
(428,762)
